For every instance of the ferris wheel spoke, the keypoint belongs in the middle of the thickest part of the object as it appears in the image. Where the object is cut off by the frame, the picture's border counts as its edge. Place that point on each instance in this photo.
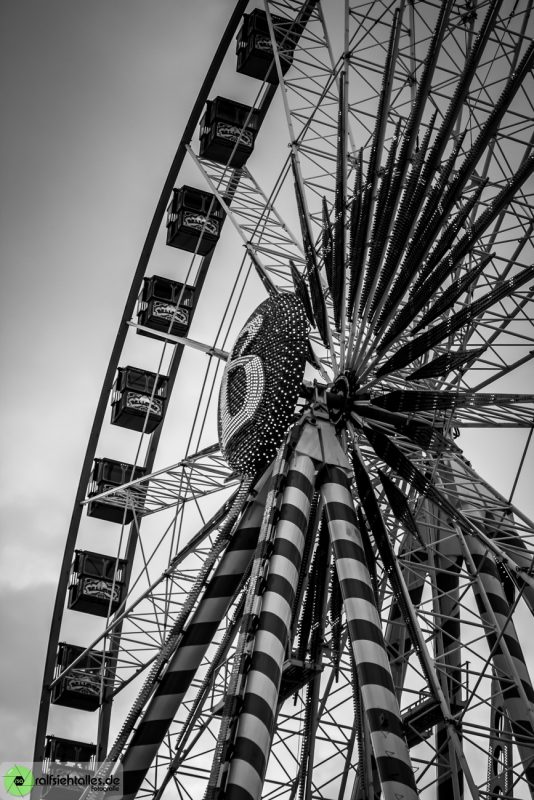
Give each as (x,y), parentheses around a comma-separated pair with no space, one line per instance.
(405,202)
(386,300)
(500,371)
(512,313)
(135,622)
(254,216)
(451,263)
(435,410)
(514,557)
(419,345)
(494,417)
(364,222)
(335,265)
(390,301)
(312,268)
(489,129)
(194,477)
(311,82)
(416,249)
(304,149)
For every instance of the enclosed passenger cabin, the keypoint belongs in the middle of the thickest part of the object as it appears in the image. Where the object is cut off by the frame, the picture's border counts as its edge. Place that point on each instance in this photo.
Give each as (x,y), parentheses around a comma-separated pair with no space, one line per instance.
(108,474)
(194,220)
(165,306)
(68,751)
(254,48)
(80,687)
(228,131)
(69,764)
(139,399)
(97,583)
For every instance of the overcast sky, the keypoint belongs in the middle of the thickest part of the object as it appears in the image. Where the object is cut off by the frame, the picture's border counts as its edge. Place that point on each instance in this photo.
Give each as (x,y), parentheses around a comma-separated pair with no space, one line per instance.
(95,94)
(94,99)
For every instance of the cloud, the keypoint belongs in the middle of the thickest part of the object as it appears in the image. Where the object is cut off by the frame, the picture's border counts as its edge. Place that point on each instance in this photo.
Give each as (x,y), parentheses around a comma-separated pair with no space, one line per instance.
(24,627)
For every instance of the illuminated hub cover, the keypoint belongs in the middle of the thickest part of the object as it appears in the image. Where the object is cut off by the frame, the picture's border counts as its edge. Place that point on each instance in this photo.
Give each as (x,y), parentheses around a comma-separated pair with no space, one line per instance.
(261,383)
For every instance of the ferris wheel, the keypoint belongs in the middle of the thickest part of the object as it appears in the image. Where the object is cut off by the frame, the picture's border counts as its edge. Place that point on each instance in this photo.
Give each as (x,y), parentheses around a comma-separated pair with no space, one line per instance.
(321,598)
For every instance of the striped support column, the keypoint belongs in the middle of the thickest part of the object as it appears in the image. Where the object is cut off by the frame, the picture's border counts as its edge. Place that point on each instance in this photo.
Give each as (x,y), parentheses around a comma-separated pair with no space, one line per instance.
(255,726)
(508,659)
(181,670)
(372,664)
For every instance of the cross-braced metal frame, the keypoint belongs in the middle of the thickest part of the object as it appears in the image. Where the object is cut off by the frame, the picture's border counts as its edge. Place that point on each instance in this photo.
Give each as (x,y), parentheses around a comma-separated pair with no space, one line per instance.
(352,622)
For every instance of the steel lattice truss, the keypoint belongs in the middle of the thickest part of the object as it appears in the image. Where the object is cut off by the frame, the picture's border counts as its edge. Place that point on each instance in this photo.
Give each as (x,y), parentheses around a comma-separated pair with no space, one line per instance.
(193,478)
(409,170)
